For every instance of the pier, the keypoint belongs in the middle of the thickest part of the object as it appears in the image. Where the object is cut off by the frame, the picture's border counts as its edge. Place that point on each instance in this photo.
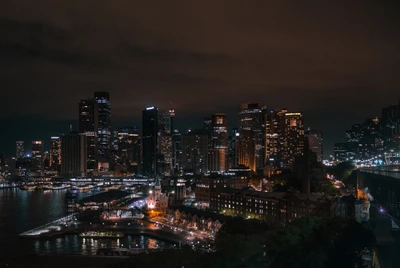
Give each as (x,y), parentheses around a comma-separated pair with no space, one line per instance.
(50,229)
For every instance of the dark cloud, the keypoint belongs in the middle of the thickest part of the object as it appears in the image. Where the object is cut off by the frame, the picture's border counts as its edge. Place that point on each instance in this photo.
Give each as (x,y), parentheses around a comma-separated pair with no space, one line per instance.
(337,61)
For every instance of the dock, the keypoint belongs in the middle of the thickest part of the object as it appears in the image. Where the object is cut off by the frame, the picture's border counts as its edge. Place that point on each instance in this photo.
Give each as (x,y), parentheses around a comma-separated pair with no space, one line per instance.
(53,228)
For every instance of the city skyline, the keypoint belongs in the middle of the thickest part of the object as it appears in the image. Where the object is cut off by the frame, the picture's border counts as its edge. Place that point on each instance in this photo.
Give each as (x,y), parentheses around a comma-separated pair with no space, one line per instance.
(340,58)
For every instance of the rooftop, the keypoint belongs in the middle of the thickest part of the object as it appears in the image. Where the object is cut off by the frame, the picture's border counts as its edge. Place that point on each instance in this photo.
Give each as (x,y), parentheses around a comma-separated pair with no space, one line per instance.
(105,197)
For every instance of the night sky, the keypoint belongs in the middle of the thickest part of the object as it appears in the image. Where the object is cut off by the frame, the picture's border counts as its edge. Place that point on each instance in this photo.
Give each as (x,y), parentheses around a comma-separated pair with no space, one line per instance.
(336,61)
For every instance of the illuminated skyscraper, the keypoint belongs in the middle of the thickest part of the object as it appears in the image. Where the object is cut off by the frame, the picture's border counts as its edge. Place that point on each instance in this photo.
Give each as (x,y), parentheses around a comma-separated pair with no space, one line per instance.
(149,140)
(165,150)
(166,121)
(19,150)
(38,155)
(177,151)
(275,135)
(88,125)
(294,137)
(251,117)
(194,152)
(246,149)
(218,153)
(315,143)
(55,153)
(232,150)
(129,148)
(73,155)
(104,124)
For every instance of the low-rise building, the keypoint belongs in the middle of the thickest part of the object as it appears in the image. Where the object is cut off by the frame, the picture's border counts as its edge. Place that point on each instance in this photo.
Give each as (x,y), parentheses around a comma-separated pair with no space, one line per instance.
(277,208)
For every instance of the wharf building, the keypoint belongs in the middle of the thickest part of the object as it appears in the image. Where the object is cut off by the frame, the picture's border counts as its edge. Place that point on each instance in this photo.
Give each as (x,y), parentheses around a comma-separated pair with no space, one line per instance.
(38,156)
(104,128)
(88,125)
(19,150)
(218,152)
(276,208)
(195,152)
(73,155)
(149,140)
(252,118)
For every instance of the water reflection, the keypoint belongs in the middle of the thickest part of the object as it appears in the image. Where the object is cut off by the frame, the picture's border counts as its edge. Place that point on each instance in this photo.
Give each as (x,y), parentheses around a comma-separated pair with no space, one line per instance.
(24,210)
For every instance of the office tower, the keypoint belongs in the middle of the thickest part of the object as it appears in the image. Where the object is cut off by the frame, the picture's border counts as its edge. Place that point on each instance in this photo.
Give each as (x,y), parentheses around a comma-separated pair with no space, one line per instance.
(104,124)
(314,138)
(177,151)
(165,150)
(19,150)
(246,149)
(88,125)
(294,138)
(38,155)
(232,151)
(149,140)
(208,129)
(129,148)
(73,155)
(166,121)
(194,152)
(218,153)
(55,153)
(274,135)
(251,117)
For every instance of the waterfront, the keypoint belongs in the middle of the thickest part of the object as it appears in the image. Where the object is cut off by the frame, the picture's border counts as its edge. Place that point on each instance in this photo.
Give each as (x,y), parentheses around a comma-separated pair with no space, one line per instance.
(23,210)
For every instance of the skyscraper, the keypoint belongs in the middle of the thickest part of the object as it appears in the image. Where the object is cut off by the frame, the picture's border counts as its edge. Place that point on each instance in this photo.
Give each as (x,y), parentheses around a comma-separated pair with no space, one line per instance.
(177,151)
(232,151)
(246,149)
(275,135)
(165,149)
(314,138)
(55,153)
(149,140)
(129,148)
(38,155)
(104,124)
(73,155)
(88,125)
(294,137)
(166,121)
(194,152)
(251,117)
(218,153)
(19,150)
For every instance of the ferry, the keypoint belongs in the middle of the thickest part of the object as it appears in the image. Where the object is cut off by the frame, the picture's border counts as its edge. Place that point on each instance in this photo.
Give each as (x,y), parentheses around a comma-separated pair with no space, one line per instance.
(94,234)
(28,187)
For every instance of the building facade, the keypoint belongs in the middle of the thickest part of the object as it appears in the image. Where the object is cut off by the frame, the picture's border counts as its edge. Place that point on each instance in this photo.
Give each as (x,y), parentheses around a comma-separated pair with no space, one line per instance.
(251,117)
(315,139)
(38,156)
(55,153)
(246,152)
(73,155)
(218,153)
(88,125)
(19,150)
(104,124)
(149,140)
(195,152)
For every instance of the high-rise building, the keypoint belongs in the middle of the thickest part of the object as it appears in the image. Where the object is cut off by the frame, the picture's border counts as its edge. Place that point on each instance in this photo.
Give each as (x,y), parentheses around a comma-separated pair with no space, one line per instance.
(88,125)
(19,150)
(274,135)
(251,117)
(104,124)
(315,138)
(177,151)
(73,155)
(194,152)
(218,153)
(166,121)
(165,149)
(149,140)
(294,137)
(232,151)
(129,148)
(55,153)
(246,149)
(38,155)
